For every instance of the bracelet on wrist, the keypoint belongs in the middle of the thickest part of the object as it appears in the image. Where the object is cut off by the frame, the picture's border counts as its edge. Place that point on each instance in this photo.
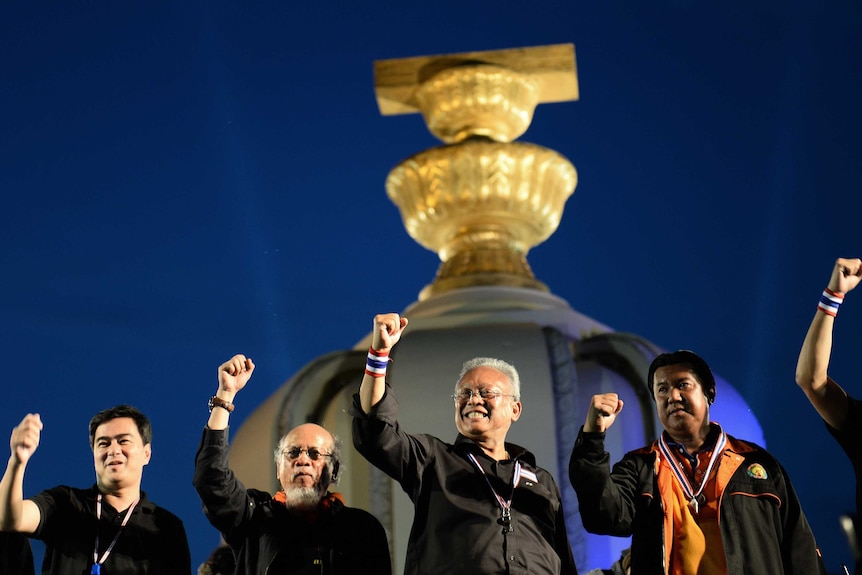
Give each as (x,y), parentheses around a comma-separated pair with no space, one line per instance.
(376,362)
(216,401)
(830,301)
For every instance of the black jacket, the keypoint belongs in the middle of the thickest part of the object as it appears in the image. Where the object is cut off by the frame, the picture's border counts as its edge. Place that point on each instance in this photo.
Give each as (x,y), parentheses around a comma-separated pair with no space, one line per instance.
(267,538)
(763,528)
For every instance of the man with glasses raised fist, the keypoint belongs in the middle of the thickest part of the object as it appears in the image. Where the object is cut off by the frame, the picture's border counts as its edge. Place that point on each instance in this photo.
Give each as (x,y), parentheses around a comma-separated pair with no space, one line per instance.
(481,504)
(302,529)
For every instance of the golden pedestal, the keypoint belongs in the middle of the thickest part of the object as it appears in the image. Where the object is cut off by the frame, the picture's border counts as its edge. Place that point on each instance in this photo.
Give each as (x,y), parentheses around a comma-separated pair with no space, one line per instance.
(482,200)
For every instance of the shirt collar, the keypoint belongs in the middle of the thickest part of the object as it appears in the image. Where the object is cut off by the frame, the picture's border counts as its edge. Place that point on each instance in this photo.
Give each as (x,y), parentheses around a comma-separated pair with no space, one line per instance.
(708,444)
(465,444)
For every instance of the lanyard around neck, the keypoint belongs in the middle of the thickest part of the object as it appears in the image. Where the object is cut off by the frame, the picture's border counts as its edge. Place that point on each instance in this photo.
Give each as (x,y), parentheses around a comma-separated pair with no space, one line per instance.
(692,494)
(97,563)
(505,504)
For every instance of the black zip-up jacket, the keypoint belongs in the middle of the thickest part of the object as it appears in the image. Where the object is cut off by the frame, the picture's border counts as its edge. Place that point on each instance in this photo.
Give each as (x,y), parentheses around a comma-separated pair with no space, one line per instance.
(763,528)
(267,539)
(455,524)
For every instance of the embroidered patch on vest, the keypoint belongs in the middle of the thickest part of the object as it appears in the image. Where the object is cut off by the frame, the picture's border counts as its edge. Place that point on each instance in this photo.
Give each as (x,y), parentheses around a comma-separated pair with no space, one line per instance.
(757,471)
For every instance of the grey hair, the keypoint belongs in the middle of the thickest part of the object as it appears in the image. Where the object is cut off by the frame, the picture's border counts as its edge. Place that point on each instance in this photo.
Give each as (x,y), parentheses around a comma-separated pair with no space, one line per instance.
(507,369)
(333,463)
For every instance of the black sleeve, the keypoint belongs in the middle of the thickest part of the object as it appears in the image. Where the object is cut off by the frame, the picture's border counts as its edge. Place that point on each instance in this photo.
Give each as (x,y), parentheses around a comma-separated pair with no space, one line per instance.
(227,504)
(605,498)
(379,438)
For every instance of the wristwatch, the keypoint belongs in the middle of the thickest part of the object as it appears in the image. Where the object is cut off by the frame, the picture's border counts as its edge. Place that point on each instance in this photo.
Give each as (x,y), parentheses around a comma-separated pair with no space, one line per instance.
(216,401)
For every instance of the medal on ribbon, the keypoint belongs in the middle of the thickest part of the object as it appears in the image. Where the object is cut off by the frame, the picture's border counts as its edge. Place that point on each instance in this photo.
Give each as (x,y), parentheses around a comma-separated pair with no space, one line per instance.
(695,497)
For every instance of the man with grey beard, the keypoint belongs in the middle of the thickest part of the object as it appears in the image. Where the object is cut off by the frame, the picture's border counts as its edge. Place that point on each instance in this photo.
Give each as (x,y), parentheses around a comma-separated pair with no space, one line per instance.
(304,528)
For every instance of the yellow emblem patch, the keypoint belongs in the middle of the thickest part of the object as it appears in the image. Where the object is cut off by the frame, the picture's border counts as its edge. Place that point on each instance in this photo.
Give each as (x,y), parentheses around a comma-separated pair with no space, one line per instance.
(756,471)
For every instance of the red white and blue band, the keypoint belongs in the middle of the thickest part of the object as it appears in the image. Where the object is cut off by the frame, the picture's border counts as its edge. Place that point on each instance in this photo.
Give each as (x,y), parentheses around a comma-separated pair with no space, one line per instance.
(830,301)
(375,365)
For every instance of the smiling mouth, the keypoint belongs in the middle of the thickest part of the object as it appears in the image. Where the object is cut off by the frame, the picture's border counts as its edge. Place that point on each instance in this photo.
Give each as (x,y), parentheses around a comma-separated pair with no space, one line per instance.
(475,415)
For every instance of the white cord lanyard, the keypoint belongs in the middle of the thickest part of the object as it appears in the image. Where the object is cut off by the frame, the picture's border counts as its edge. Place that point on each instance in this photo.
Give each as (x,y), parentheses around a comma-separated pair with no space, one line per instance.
(97,563)
(694,498)
(505,504)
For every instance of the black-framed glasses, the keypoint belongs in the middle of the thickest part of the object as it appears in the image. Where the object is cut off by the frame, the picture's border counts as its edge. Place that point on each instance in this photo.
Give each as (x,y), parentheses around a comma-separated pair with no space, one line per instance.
(466,394)
(313,453)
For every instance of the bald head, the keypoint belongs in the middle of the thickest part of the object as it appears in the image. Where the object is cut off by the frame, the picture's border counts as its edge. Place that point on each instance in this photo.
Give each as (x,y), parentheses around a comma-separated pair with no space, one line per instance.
(307,431)
(307,460)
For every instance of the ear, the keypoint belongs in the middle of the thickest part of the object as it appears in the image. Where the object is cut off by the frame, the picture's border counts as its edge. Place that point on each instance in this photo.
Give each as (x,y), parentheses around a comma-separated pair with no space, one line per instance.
(148,452)
(710,396)
(516,410)
(336,468)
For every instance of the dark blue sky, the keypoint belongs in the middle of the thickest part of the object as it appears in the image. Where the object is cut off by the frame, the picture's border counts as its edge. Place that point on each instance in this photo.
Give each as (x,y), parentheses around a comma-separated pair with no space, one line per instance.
(186,180)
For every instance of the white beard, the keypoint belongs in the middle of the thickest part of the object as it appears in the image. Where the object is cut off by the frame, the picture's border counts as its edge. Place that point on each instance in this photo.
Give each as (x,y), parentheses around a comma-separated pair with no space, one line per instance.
(302,498)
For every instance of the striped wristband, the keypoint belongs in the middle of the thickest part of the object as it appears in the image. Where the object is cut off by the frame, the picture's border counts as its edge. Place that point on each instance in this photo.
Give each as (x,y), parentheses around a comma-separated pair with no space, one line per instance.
(830,301)
(375,365)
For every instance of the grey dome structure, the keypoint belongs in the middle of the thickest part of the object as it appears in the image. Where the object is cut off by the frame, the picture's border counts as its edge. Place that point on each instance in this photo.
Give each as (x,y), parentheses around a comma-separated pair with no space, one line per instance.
(481,201)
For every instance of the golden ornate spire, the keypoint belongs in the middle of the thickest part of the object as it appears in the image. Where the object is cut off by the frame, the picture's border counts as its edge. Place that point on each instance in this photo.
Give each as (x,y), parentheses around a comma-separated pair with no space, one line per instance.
(482,200)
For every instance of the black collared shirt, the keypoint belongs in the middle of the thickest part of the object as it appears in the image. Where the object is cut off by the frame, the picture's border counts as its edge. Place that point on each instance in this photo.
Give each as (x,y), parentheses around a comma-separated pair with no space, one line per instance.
(455,525)
(152,543)
(849,437)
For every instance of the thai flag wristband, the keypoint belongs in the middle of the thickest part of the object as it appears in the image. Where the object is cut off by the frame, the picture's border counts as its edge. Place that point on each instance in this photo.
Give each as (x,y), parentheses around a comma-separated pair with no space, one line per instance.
(375,365)
(830,301)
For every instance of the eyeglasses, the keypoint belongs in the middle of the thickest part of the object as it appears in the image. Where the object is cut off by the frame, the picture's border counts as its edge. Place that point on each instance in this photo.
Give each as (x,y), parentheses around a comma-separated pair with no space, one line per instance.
(313,453)
(467,394)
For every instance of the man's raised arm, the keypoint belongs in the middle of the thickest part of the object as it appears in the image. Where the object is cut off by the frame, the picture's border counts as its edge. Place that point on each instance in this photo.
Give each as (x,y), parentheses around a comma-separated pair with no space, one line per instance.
(827,397)
(17,513)
(388,328)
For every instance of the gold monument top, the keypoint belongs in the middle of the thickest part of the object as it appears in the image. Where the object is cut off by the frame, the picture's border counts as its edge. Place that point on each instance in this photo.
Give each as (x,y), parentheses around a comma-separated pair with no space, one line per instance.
(551,67)
(482,200)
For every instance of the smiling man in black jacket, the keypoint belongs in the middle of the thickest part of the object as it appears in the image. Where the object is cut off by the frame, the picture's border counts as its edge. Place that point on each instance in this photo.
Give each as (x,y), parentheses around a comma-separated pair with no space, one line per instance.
(481,504)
